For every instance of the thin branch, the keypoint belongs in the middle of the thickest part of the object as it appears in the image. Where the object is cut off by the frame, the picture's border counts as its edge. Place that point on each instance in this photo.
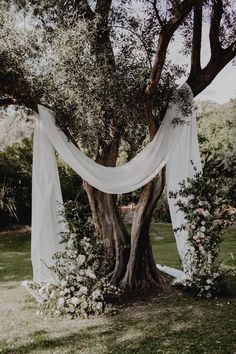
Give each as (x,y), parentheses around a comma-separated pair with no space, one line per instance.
(158,16)
(84,9)
(8,102)
(141,40)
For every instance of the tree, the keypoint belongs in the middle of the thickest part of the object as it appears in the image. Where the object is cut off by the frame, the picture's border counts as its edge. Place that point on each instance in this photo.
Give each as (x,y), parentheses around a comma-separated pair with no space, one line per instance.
(102,65)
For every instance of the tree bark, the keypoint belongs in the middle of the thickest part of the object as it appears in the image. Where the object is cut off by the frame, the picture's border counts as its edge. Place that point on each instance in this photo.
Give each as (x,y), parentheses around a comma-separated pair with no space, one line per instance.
(141,270)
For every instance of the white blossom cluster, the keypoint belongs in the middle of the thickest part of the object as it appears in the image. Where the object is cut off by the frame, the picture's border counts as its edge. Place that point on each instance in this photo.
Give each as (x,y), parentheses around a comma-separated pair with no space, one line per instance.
(207,215)
(82,287)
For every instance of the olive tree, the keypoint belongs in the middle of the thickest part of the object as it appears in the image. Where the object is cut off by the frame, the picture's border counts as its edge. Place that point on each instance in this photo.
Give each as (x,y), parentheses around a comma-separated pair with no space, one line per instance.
(102,67)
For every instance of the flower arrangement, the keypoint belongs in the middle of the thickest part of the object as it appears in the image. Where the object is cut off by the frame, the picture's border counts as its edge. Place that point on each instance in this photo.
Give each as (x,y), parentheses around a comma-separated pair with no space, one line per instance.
(81,287)
(207,213)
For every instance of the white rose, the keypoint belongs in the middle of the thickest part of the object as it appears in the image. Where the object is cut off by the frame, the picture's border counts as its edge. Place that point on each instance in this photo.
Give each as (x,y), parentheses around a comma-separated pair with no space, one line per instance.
(84,305)
(99,306)
(96,294)
(81,259)
(75,301)
(205,213)
(203,229)
(79,278)
(90,273)
(71,309)
(61,301)
(64,283)
(83,289)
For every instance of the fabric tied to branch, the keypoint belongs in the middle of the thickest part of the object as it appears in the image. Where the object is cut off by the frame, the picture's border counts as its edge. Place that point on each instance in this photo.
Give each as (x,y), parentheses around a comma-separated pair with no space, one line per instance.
(174,146)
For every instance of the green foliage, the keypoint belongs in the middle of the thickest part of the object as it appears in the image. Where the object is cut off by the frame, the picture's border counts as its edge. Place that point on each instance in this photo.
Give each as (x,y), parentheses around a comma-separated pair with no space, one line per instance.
(15,181)
(217,132)
(16,184)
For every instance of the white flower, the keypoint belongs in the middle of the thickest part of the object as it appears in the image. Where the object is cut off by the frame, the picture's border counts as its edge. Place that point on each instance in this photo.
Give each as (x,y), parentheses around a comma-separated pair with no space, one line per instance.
(84,305)
(99,306)
(81,272)
(203,222)
(71,309)
(205,213)
(61,301)
(81,259)
(79,278)
(203,229)
(83,290)
(90,273)
(193,226)
(75,301)
(96,294)
(63,283)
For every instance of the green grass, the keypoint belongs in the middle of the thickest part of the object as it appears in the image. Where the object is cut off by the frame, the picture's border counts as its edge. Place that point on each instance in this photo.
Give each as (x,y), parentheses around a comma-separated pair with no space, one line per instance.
(15,263)
(168,323)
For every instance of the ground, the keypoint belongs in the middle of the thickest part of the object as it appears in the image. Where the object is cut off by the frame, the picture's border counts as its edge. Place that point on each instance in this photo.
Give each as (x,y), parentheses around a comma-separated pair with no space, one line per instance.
(166,323)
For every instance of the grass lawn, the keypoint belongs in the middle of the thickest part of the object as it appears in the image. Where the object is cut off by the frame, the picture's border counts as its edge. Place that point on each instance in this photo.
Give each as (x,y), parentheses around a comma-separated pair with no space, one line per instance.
(168,323)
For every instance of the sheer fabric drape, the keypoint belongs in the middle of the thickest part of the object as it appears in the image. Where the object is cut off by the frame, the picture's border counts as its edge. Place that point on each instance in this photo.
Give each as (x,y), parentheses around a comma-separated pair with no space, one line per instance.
(174,146)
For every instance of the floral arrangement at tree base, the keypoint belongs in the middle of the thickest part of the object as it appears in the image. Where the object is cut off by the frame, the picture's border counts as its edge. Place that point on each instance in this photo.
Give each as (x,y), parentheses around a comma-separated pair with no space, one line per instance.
(81,284)
(207,213)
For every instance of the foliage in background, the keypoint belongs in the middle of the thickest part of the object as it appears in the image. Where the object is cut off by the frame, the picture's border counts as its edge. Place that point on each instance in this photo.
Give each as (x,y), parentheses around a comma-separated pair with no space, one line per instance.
(80,270)
(217,134)
(207,209)
(15,183)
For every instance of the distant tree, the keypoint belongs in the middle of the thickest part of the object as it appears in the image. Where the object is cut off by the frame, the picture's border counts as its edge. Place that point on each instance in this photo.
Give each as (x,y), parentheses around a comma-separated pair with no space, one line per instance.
(217,132)
(101,65)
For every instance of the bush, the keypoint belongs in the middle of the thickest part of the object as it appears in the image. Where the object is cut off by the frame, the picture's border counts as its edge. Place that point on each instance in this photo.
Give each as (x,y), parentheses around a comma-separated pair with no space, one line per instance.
(16,183)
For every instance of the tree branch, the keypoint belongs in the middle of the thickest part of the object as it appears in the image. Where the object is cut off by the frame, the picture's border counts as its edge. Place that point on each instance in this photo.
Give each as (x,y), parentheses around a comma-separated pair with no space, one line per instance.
(164,39)
(84,9)
(165,36)
(7,101)
(103,8)
(214,66)
(158,16)
(216,14)
(196,41)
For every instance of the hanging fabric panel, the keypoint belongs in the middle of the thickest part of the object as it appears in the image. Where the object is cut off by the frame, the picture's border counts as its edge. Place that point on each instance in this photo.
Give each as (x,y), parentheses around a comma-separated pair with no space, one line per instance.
(173,146)
(46,206)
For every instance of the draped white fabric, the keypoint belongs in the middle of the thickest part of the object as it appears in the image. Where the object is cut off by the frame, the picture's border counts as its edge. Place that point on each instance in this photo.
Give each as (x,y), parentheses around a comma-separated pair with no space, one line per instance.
(173,146)
(46,201)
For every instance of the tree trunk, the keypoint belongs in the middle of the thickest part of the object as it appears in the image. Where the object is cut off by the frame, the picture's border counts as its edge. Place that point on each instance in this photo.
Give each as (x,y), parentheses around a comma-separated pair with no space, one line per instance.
(110,229)
(141,270)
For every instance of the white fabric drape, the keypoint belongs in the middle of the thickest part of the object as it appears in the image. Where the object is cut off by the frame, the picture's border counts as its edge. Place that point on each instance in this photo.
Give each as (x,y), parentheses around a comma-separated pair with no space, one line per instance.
(46,201)
(173,146)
